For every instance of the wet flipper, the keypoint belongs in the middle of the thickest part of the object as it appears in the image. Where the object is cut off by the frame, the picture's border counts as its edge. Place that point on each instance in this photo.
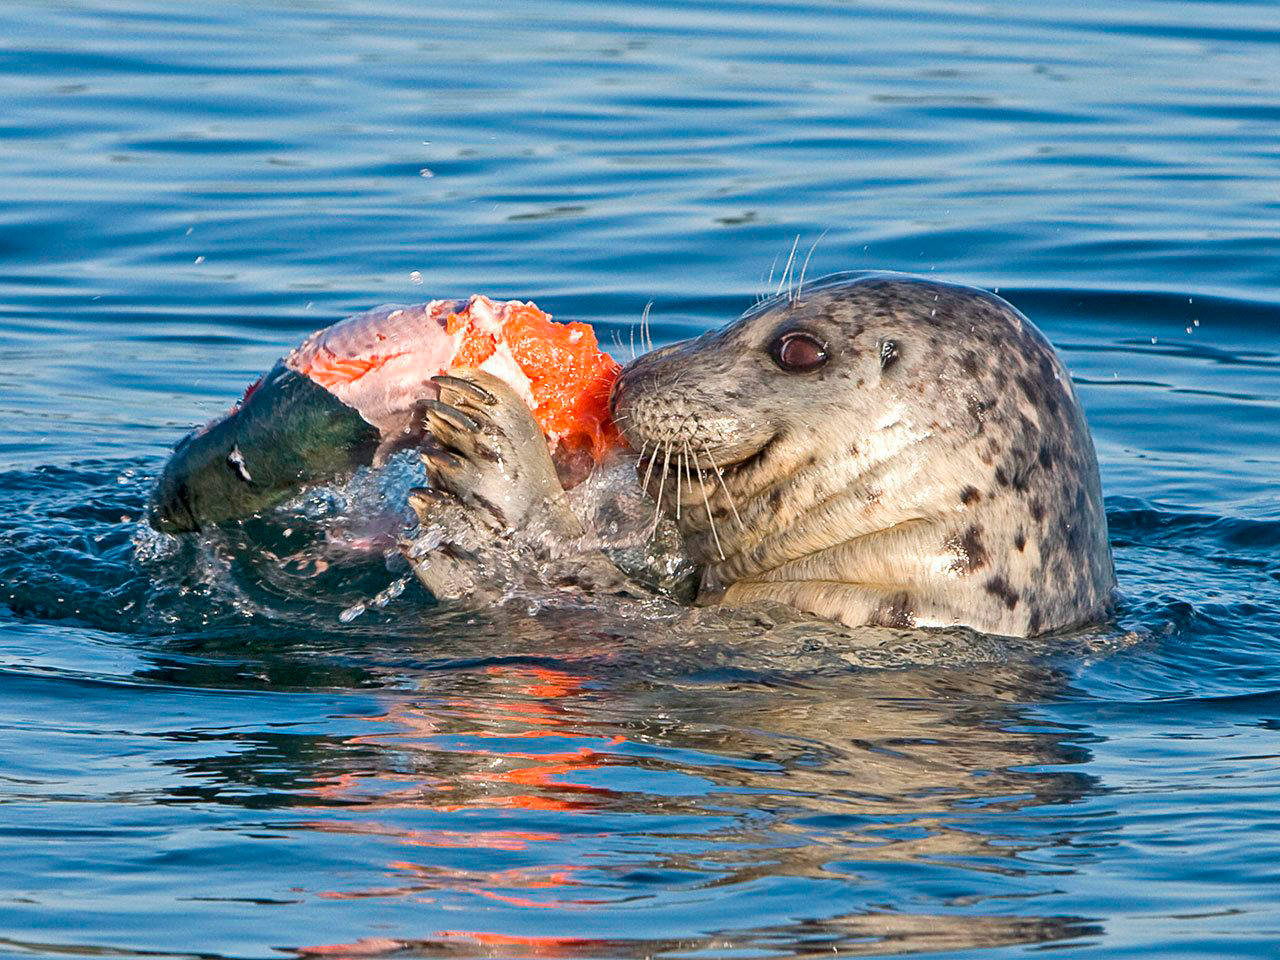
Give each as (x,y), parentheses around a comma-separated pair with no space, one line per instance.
(446,554)
(509,517)
(492,455)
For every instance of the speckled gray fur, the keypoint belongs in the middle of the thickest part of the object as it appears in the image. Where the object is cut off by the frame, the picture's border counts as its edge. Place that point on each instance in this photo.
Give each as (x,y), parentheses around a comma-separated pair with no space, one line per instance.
(936,471)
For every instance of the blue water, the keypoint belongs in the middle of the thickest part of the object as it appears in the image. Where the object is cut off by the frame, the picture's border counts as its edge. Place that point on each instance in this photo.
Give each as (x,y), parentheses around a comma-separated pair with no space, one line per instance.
(198,758)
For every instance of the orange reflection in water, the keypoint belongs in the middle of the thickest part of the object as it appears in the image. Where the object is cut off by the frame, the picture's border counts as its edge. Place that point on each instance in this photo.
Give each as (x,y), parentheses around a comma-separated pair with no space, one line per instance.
(447,737)
(459,942)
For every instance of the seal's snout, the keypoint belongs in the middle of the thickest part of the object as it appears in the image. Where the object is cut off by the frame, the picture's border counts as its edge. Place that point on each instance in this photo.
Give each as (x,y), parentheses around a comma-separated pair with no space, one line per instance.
(676,399)
(641,378)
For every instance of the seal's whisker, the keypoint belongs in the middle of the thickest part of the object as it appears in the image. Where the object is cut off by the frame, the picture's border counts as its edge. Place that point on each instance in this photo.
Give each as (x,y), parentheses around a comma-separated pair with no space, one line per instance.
(706,502)
(679,458)
(629,347)
(646,332)
(662,483)
(653,458)
(804,269)
(786,271)
(768,284)
(724,486)
(688,468)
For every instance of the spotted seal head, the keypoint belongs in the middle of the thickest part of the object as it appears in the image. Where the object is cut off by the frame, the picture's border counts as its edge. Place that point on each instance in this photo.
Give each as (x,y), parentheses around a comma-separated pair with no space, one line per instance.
(878,449)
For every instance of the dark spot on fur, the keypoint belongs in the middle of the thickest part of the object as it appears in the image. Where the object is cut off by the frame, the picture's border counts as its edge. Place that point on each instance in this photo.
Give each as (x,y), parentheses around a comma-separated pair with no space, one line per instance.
(1002,478)
(1051,402)
(1020,541)
(896,613)
(1034,391)
(999,587)
(969,363)
(978,410)
(1045,457)
(970,554)
(1036,509)
(1036,621)
(969,496)
(1046,368)
(775,499)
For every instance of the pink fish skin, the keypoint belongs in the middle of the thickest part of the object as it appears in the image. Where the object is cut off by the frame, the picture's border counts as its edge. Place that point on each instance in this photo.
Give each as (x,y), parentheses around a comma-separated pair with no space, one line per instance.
(380,362)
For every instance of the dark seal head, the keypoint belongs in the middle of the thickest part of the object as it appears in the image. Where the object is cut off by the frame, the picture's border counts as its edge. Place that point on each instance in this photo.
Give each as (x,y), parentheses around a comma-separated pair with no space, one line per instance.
(878,449)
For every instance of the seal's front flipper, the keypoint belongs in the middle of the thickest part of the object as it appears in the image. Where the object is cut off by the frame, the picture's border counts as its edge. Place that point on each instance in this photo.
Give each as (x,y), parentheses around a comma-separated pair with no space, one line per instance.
(488,451)
(494,481)
(448,553)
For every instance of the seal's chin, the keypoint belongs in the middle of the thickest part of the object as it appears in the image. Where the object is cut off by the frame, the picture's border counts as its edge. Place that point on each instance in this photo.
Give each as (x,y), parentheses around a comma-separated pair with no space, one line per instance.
(736,460)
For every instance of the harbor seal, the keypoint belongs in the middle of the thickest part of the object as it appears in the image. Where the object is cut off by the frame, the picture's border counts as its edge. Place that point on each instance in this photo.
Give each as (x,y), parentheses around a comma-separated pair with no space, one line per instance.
(874,449)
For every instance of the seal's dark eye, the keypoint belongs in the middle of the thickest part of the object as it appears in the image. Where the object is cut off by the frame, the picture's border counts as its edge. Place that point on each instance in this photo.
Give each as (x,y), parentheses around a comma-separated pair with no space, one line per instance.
(798,352)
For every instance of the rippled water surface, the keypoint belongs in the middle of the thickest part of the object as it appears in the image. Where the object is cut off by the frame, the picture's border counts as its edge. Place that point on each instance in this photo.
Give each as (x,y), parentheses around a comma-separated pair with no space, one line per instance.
(198,758)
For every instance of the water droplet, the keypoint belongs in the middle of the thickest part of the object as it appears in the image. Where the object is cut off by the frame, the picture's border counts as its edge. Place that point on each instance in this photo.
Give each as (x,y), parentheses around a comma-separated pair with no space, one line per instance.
(199,259)
(390,593)
(425,172)
(415,277)
(353,611)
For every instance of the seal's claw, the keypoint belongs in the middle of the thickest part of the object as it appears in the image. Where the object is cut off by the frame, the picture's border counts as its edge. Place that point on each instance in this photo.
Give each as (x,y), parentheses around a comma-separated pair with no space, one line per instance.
(467,388)
(451,415)
(461,434)
(484,447)
(441,462)
(427,502)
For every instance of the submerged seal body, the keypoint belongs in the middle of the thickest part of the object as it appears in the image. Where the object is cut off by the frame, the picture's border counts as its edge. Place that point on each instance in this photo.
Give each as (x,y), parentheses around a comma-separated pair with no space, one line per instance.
(875,449)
